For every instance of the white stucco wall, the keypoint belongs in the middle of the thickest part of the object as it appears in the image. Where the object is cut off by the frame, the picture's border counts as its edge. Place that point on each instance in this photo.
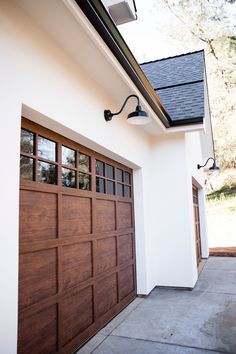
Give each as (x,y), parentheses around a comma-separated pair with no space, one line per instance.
(41,80)
(36,73)
(194,156)
(173,229)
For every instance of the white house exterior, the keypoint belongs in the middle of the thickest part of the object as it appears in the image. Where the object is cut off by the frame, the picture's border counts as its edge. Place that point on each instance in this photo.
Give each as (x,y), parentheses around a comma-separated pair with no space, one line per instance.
(58,72)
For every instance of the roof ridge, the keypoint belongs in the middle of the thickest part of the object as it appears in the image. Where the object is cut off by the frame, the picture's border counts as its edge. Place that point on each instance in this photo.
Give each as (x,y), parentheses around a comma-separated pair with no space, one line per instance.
(172,57)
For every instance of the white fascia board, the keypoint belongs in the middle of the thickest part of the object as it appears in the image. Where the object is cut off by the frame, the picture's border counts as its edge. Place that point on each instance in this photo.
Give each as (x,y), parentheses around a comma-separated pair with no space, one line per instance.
(186,128)
(98,41)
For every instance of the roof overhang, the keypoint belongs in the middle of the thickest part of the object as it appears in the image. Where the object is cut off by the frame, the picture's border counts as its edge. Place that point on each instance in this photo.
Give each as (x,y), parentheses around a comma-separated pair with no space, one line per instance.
(97,14)
(82,41)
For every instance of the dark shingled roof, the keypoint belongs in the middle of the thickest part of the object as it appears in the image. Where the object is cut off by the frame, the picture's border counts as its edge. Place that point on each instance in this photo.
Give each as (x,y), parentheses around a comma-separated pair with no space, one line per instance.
(179,83)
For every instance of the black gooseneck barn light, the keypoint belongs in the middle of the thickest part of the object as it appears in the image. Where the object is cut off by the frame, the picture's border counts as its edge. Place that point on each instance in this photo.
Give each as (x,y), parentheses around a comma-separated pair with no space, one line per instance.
(212,168)
(138,117)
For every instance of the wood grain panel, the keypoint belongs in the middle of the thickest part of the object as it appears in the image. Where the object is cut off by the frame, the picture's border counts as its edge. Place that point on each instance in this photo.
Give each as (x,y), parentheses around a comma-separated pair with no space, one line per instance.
(38,332)
(77,313)
(124,215)
(105,215)
(38,216)
(38,276)
(76,263)
(76,216)
(106,294)
(77,267)
(125,248)
(126,281)
(106,254)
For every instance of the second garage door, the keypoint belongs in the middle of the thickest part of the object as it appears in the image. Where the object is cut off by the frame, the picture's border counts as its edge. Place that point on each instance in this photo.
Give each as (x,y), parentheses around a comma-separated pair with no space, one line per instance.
(77,257)
(197,225)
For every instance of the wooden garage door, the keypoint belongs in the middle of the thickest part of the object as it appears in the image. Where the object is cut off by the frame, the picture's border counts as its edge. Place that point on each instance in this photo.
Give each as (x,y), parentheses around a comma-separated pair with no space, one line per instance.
(197,225)
(77,257)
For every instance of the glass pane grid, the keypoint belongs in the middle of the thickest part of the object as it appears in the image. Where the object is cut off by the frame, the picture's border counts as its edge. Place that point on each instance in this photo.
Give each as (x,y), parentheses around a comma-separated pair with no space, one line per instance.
(84,181)
(100,168)
(27,168)
(110,171)
(68,177)
(100,185)
(83,162)
(127,178)
(75,167)
(68,156)
(27,143)
(46,148)
(47,172)
(110,187)
(119,174)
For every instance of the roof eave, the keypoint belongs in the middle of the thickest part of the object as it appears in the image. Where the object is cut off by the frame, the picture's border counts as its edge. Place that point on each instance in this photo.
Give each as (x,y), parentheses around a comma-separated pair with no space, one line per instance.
(187,121)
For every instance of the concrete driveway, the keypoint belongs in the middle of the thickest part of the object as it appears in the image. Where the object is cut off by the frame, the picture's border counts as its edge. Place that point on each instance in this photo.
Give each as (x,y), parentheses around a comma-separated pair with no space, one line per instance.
(177,321)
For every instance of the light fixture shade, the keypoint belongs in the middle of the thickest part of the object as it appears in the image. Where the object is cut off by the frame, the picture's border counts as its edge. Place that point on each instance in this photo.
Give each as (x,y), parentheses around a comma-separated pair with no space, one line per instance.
(214,167)
(138,117)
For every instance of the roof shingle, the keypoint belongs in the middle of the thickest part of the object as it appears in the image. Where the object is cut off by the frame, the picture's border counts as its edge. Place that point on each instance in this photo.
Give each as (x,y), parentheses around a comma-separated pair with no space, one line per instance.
(179,83)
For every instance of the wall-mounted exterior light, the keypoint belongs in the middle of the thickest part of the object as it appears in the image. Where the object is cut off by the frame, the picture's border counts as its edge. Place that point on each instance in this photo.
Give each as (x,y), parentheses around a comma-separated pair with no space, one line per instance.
(214,167)
(138,117)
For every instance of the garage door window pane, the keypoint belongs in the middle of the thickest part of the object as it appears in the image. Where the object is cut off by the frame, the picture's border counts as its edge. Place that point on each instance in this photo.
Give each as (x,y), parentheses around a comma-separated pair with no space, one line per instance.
(84,181)
(127,191)
(99,168)
(120,189)
(68,156)
(84,162)
(100,185)
(127,178)
(110,187)
(26,168)
(27,142)
(47,173)
(109,171)
(46,148)
(68,177)
(119,175)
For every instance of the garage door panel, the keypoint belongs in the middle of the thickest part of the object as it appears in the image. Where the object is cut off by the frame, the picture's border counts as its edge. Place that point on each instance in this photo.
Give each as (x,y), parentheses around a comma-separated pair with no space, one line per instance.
(38,276)
(77,313)
(76,216)
(105,215)
(38,216)
(125,248)
(126,281)
(197,225)
(76,263)
(106,294)
(38,332)
(106,254)
(124,215)
(77,267)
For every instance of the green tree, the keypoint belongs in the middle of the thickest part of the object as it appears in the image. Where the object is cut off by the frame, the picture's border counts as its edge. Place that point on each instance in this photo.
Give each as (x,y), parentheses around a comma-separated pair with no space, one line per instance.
(210,23)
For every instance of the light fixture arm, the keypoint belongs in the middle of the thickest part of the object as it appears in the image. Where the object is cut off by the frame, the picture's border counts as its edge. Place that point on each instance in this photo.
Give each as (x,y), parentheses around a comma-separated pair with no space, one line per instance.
(108,114)
(210,158)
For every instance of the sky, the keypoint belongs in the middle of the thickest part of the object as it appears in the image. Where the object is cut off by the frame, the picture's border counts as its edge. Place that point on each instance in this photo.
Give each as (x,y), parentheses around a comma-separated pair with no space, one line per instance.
(147,37)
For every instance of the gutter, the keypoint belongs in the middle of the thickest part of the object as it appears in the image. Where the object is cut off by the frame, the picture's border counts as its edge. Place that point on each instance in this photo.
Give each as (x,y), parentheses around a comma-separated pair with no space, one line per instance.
(96,13)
